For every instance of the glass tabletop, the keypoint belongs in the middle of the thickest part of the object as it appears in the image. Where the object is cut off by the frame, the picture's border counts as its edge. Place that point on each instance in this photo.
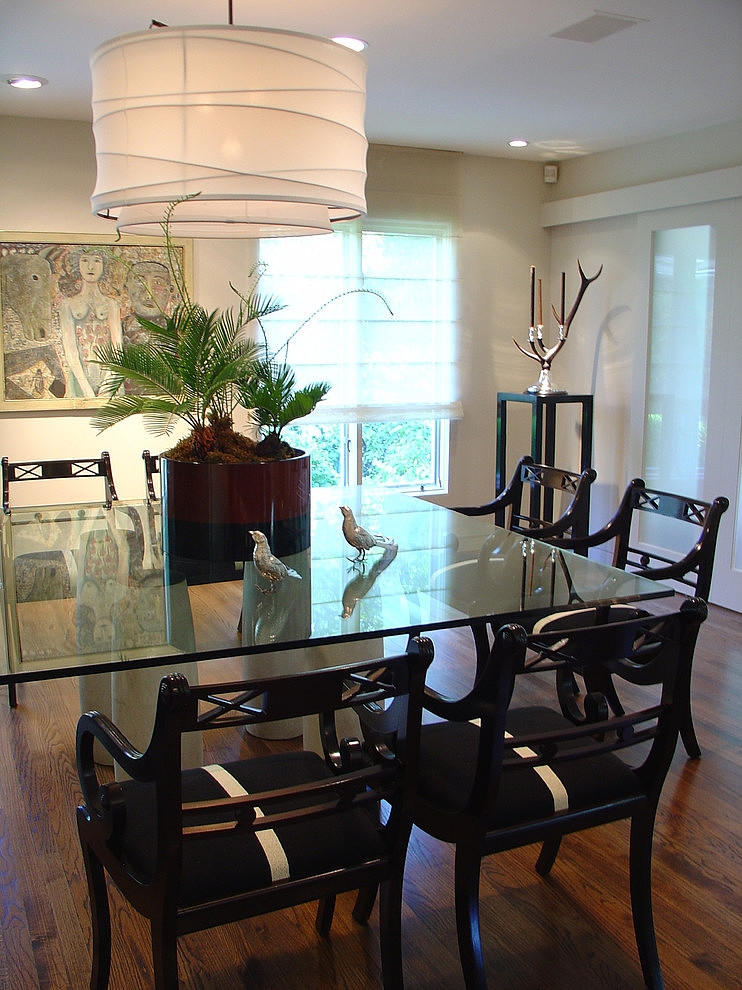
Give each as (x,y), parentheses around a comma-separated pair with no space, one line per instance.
(86,587)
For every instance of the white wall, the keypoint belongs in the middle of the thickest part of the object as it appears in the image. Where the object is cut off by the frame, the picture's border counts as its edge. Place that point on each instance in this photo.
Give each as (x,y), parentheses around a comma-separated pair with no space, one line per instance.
(47,172)
(606,349)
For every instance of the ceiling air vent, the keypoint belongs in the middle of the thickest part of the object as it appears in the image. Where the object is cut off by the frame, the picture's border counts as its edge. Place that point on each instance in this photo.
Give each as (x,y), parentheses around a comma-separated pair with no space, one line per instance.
(597,27)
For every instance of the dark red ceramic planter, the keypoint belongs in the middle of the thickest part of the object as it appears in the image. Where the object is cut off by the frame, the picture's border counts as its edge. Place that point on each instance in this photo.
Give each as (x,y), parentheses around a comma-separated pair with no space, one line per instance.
(209,509)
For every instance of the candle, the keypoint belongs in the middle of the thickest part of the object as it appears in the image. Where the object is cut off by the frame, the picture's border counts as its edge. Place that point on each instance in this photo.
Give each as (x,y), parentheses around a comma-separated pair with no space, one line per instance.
(540,306)
(561,318)
(533,288)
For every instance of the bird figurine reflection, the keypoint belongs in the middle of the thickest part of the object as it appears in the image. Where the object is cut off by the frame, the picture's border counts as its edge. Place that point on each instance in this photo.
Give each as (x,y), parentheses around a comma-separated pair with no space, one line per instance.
(267,564)
(363,581)
(358,537)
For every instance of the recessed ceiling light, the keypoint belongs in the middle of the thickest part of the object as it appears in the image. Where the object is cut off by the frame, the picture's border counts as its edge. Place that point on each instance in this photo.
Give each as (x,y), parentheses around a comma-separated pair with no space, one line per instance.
(518,143)
(26,82)
(355,44)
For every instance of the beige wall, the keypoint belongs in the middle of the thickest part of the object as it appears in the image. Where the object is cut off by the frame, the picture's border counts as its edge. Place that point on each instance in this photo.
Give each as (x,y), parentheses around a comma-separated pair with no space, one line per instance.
(47,174)
(704,150)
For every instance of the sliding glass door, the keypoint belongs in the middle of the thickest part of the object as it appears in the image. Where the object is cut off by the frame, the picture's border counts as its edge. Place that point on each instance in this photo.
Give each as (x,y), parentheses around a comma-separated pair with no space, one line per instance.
(692,406)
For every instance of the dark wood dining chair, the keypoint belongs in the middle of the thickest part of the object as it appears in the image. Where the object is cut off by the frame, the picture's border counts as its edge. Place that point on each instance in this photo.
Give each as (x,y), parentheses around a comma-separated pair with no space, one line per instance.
(692,570)
(58,470)
(540,501)
(151,468)
(493,776)
(198,848)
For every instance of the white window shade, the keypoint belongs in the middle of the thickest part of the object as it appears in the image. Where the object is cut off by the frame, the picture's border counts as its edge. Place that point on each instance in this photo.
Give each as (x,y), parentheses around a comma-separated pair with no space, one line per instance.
(265,126)
(382,366)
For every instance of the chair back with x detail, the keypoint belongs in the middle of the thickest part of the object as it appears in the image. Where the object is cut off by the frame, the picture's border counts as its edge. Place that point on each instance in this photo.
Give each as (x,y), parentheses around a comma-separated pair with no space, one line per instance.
(541,501)
(692,570)
(493,776)
(58,470)
(194,849)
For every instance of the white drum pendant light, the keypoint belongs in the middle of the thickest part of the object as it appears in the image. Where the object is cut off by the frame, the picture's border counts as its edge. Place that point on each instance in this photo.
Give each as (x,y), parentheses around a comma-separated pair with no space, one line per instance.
(265,126)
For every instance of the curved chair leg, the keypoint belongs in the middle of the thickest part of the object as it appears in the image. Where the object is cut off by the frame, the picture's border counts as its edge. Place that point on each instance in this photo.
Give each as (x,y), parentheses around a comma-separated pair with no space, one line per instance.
(466,883)
(548,855)
(390,933)
(364,903)
(100,971)
(164,953)
(640,864)
(688,734)
(325,912)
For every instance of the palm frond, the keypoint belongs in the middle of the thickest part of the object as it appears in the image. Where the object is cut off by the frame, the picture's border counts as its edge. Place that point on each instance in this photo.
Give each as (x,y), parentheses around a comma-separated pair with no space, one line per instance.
(272,395)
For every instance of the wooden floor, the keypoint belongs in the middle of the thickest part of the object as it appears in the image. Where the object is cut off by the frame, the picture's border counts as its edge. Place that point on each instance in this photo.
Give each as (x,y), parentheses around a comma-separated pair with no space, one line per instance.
(572,929)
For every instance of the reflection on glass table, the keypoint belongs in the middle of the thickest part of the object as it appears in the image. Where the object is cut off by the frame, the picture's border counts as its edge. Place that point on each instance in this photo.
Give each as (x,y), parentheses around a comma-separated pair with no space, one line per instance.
(86,583)
(86,588)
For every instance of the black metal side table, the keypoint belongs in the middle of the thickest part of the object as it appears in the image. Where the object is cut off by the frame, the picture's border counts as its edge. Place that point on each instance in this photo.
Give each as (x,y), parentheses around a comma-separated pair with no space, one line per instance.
(543,428)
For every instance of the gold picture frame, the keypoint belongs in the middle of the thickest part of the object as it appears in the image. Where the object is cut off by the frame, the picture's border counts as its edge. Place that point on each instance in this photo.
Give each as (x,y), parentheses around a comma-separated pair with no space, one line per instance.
(61,296)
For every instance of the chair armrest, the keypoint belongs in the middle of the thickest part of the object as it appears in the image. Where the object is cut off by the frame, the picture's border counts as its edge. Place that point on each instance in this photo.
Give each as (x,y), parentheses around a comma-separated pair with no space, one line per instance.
(481,510)
(510,495)
(92,726)
(464,709)
(508,648)
(617,528)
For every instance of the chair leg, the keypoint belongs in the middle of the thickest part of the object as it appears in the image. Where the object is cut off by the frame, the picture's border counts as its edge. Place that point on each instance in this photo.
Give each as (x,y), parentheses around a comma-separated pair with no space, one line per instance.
(548,855)
(640,862)
(688,734)
(390,933)
(325,913)
(12,696)
(364,904)
(164,953)
(466,884)
(100,970)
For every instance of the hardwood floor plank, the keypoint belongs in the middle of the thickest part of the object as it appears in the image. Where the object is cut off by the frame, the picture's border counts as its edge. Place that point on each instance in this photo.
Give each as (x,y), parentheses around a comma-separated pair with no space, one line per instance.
(572,927)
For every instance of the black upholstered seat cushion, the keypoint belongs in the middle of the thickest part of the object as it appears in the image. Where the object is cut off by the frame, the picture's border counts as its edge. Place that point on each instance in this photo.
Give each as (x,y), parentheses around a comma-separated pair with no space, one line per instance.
(448,754)
(238,863)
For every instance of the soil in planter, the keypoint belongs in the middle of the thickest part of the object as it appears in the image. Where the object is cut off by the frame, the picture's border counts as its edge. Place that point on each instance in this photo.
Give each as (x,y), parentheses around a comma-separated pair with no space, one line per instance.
(219,443)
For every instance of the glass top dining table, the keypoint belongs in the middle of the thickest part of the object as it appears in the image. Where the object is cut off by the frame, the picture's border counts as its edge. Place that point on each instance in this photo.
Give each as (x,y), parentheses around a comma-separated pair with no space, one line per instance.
(86,588)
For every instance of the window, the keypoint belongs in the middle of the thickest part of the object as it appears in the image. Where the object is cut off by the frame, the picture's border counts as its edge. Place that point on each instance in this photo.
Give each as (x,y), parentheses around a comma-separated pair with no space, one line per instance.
(393,374)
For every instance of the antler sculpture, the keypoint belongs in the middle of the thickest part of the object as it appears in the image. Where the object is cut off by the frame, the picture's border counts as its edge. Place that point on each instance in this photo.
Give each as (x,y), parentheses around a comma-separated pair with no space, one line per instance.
(538,350)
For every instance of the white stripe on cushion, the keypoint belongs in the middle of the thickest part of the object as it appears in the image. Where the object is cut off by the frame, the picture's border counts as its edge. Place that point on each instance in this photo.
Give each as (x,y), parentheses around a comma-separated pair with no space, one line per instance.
(556,787)
(274,851)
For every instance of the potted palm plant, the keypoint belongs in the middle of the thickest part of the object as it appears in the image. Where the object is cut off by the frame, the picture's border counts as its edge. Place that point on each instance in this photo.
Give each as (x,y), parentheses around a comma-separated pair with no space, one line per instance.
(217,483)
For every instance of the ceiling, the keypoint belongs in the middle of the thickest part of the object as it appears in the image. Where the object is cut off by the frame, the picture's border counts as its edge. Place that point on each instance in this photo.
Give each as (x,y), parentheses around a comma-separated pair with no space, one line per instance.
(465,75)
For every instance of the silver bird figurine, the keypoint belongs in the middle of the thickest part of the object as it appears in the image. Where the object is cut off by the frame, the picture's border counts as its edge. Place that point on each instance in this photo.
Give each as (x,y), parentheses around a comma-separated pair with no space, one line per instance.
(267,564)
(358,537)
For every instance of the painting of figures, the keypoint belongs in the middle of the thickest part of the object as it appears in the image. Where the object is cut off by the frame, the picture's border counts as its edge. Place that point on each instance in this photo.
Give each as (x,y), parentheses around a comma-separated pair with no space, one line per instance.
(62,298)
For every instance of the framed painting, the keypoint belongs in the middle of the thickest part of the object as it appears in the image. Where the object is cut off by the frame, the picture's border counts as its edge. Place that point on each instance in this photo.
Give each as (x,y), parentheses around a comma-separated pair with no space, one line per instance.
(61,297)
